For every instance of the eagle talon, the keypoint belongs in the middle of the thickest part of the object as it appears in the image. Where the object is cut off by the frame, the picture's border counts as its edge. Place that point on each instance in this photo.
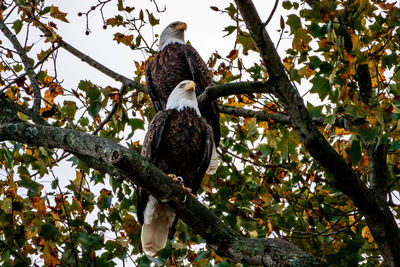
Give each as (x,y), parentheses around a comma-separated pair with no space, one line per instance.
(175,178)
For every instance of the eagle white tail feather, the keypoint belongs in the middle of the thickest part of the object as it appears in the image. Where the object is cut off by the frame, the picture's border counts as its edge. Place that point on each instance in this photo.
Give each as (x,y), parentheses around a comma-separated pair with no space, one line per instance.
(158,218)
(214,162)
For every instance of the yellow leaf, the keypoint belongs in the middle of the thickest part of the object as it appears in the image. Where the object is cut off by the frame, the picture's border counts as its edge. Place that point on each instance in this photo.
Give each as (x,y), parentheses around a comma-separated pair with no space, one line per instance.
(366,233)
(50,255)
(125,39)
(352,220)
(39,204)
(78,182)
(339,131)
(288,63)
(269,226)
(306,71)
(57,14)
(264,124)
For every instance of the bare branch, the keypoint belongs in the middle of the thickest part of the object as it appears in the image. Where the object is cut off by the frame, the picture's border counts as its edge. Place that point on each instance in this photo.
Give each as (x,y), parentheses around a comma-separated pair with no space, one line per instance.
(95,64)
(112,112)
(272,13)
(28,66)
(34,67)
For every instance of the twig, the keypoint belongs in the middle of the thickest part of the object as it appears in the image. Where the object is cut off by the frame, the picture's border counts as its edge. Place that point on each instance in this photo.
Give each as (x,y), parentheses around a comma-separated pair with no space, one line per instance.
(28,66)
(20,256)
(95,64)
(34,67)
(272,14)
(112,112)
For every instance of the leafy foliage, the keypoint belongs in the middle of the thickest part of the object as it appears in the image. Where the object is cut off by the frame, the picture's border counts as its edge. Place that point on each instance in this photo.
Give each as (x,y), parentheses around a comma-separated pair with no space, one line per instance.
(267,184)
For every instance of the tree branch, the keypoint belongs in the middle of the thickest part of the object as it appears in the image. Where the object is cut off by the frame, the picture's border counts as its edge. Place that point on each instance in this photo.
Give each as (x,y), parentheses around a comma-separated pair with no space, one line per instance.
(112,112)
(272,13)
(378,215)
(34,67)
(214,91)
(95,64)
(132,166)
(378,172)
(259,115)
(28,66)
(16,107)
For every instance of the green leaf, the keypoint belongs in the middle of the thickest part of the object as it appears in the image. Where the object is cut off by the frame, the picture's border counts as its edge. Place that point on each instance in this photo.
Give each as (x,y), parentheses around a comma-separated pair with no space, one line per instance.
(368,133)
(43,53)
(89,241)
(287,5)
(49,231)
(17,26)
(247,42)
(294,23)
(320,86)
(32,186)
(136,124)
(69,109)
(45,11)
(354,151)
(18,68)
(152,20)
(229,30)
(389,61)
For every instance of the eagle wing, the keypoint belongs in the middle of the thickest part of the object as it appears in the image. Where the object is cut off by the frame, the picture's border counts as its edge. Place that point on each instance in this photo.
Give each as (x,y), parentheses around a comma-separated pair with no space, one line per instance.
(203,79)
(154,134)
(150,146)
(151,90)
(205,159)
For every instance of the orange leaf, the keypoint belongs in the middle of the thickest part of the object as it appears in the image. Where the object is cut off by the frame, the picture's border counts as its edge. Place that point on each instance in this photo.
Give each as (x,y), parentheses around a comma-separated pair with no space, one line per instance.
(366,233)
(39,204)
(233,55)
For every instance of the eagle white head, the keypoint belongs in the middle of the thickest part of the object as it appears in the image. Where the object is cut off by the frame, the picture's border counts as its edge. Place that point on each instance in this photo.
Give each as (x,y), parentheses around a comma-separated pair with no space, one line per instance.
(173,33)
(184,96)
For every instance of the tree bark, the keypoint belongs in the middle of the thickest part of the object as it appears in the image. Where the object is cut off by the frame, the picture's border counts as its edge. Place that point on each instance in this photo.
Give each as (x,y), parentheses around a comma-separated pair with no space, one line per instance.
(106,155)
(377,213)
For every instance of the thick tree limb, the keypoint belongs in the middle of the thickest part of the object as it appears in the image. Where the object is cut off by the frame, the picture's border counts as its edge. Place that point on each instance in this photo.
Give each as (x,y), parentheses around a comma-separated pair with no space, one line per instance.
(378,215)
(214,91)
(99,152)
(378,171)
(16,107)
(28,66)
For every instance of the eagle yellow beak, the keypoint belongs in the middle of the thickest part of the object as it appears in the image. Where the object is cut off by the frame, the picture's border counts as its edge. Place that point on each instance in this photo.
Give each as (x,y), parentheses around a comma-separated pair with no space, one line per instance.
(189,86)
(181,26)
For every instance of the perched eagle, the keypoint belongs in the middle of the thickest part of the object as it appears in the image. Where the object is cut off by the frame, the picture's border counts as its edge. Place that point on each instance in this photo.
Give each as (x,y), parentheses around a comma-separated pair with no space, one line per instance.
(179,142)
(175,62)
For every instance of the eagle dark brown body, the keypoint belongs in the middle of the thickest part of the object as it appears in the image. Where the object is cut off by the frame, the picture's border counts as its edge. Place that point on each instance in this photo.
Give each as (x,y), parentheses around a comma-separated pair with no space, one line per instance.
(173,64)
(180,143)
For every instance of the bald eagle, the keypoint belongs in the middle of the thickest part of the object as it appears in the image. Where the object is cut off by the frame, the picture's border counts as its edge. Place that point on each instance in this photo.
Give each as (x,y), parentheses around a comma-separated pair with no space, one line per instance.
(178,142)
(175,62)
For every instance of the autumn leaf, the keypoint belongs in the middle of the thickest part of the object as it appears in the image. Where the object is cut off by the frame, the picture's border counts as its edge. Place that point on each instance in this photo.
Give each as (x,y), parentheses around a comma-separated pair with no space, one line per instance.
(50,255)
(233,55)
(57,14)
(366,233)
(125,39)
